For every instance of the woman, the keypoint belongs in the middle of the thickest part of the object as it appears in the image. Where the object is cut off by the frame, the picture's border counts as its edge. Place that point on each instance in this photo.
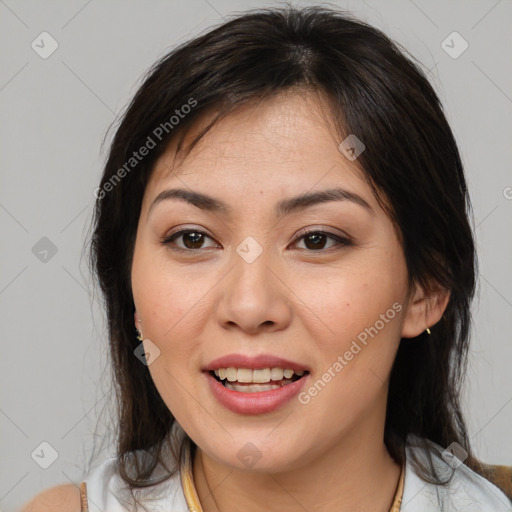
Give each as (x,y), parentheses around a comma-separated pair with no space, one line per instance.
(282,239)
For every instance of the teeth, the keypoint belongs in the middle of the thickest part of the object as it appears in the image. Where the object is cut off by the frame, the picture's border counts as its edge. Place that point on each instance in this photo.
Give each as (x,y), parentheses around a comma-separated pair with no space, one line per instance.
(260,376)
(231,374)
(252,389)
(276,373)
(244,375)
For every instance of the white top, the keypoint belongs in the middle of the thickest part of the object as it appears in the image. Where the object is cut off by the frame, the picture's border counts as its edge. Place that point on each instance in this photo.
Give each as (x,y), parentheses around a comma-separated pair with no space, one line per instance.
(466,492)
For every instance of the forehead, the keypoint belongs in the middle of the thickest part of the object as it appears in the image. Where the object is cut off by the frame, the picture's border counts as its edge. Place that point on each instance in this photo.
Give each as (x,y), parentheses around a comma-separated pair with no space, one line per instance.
(284,143)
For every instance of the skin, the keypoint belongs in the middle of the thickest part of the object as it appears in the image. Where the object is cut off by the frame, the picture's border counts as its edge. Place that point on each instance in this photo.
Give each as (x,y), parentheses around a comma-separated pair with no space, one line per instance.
(301,299)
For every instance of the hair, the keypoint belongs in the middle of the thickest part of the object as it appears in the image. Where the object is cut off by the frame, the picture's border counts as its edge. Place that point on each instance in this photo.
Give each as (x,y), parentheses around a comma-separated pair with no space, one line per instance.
(411,161)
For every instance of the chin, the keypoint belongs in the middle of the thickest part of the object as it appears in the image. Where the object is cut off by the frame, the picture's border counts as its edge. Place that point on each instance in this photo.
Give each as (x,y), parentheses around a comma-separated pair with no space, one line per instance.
(258,454)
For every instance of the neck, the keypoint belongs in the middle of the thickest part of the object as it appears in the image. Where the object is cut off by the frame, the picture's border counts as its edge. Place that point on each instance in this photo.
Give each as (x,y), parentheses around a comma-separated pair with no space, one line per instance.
(356,474)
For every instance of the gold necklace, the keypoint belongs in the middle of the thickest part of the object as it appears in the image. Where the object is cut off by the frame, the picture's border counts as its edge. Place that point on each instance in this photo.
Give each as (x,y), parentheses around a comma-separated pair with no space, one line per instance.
(192,499)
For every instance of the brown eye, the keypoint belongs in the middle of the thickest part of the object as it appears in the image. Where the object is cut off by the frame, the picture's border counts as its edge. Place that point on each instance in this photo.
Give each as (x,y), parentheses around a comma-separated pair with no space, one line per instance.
(317,240)
(191,239)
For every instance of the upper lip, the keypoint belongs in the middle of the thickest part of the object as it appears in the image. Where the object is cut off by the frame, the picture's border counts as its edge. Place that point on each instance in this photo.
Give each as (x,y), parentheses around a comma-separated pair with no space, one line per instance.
(254,362)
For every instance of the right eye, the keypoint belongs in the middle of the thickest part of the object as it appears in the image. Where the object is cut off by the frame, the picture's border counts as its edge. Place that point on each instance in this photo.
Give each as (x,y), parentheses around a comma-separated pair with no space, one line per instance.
(192,240)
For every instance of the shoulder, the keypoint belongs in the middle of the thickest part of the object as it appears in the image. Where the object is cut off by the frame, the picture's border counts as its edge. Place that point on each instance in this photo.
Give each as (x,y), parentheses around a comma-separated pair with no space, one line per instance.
(65,498)
(108,491)
(500,476)
(464,489)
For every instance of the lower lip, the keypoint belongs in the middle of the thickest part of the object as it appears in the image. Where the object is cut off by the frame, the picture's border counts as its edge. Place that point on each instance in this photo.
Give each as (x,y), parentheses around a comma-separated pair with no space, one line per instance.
(255,403)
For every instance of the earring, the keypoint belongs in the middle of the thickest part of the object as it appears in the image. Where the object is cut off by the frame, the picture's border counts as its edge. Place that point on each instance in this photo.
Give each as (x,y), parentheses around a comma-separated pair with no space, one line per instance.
(428,330)
(139,335)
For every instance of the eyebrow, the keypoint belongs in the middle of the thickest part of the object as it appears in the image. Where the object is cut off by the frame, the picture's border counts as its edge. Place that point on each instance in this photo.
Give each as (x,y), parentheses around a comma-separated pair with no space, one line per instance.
(283,208)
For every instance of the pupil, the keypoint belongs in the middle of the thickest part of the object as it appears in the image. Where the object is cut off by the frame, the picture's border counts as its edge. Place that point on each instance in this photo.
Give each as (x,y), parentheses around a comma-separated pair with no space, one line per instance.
(196,239)
(317,239)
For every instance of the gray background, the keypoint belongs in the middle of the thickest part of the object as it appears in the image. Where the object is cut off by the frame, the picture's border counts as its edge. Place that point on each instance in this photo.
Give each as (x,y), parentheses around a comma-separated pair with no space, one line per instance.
(55,113)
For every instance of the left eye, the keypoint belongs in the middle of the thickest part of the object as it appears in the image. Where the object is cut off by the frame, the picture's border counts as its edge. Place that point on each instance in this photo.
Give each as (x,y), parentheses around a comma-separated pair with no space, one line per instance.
(313,240)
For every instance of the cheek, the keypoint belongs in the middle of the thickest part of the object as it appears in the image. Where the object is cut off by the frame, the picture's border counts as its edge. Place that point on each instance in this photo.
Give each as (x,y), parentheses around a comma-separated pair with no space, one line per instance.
(167,297)
(356,332)
(345,303)
(171,304)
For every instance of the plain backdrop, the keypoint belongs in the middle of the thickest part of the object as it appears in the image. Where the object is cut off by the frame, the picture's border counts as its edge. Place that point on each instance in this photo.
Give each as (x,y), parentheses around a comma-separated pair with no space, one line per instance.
(55,113)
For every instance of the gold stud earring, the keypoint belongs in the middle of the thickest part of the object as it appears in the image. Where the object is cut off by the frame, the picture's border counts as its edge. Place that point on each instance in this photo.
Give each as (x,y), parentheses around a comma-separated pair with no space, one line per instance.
(428,330)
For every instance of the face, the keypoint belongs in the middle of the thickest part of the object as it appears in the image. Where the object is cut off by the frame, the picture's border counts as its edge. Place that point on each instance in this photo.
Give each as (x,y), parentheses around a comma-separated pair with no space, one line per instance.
(259,276)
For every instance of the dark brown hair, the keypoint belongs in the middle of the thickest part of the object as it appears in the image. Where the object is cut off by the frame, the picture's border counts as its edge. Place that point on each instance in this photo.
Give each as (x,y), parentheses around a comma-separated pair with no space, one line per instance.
(411,162)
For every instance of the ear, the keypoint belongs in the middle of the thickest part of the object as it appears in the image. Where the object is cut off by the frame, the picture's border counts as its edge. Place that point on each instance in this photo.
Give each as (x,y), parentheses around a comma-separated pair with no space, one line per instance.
(424,310)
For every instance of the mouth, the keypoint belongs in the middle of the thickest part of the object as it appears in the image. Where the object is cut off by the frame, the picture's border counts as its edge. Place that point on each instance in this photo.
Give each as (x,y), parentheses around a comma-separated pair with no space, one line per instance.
(246,380)
(256,384)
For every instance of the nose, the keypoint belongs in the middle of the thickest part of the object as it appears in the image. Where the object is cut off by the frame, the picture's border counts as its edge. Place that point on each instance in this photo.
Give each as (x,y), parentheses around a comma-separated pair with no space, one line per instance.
(254,297)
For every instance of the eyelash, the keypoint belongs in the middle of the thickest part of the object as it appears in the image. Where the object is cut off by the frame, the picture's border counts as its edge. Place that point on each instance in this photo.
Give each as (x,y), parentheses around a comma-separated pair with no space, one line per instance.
(340,241)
